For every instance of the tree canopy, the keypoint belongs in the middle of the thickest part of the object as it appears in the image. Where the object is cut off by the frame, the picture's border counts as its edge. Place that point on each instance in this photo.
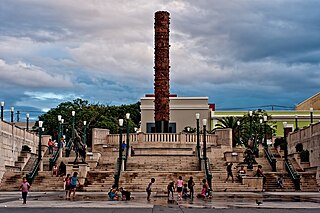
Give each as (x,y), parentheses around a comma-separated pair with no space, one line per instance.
(96,115)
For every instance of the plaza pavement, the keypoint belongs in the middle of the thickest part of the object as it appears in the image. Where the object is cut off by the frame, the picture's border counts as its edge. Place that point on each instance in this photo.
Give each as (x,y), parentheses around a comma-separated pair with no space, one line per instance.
(223,201)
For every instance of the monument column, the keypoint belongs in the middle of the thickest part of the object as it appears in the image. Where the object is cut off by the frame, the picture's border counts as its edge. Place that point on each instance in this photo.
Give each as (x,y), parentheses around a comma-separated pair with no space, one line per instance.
(161,68)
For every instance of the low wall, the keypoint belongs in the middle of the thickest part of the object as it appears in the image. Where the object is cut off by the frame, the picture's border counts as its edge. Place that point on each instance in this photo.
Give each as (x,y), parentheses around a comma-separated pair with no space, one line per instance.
(12,139)
(309,137)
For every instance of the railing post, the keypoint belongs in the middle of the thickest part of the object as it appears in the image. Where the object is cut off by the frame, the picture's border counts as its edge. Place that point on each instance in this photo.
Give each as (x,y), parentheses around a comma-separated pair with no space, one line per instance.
(274,165)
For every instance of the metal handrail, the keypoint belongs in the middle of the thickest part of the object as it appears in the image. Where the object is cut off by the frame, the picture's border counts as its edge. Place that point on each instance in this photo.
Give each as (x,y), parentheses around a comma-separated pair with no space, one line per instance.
(117,172)
(34,172)
(53,159)
(292,172)
(271,159)
(208,173)
(198,150)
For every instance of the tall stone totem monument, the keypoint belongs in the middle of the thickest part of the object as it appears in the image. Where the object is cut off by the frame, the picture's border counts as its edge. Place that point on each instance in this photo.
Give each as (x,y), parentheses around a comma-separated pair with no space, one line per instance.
(161,68)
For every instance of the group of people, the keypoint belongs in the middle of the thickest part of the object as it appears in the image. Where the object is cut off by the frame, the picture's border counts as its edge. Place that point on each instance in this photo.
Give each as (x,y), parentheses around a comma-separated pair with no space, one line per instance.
(54,145)
(259,173)
(71,184)
(119,194)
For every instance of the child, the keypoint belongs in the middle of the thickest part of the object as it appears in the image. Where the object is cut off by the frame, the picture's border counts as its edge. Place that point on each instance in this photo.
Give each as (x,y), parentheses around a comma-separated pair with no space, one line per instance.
(191,186)
(113,193)
(24,187)
(67,181)
(204,190)
(280,182)
(179,187)
(126,195)
(73,183)
(170,189)
(148,189)
(185,191)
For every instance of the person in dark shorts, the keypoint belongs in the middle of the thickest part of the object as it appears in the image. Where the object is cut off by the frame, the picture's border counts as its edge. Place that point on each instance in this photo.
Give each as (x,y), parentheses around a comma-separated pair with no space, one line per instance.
(126,195)
(67,181)
(191,187)
(170,189)
(179,187)
(229,172)
(73,183)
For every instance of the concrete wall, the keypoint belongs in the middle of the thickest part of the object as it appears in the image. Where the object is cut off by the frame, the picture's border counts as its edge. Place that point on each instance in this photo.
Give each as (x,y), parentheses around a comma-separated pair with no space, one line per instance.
(12,139)
(182,111)
(309,137)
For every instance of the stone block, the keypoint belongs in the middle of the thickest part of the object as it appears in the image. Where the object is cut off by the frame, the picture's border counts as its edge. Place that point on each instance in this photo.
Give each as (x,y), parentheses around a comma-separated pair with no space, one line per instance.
(255,182)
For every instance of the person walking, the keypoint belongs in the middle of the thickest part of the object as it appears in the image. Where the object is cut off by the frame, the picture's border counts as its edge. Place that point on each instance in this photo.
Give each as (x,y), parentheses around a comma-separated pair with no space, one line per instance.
(149,188)
(259,173)
(229,172)
(191,187)
(24,187)
(67,181)
(73,183)
(170,189)
(179,187)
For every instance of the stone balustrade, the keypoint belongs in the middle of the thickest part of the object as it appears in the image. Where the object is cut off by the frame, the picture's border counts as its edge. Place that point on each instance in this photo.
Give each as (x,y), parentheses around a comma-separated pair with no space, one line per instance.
(12,138)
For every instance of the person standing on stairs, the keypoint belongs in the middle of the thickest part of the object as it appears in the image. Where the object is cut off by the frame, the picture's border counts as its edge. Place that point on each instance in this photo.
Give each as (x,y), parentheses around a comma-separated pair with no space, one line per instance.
(170,189)
(229,172)
(179,187)
(191,187)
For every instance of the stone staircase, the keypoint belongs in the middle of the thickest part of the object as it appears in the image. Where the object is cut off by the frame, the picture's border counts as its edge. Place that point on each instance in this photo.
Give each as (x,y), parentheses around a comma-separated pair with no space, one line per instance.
(12,180)
(45,182)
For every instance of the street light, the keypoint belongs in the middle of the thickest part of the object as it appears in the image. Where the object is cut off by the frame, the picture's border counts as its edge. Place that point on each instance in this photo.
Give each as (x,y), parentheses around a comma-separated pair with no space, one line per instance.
(238,123)
(198,139)
(250,132)
(265,119)
(73,113)
(204,123)
(27,115)
(285,141)
(39,146)
(12,112)
(311,115)
(59,131)
(62,121)
(128,141)
(296,121)
(2,106)
(85,132)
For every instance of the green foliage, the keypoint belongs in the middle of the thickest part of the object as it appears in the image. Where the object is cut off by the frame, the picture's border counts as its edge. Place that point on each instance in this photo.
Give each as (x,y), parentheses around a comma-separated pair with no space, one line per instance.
(96,115)
(243,131)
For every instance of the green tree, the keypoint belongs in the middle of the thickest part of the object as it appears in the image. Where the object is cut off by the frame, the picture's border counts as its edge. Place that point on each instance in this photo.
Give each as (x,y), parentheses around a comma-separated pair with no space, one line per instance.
(96,115)
(229,122)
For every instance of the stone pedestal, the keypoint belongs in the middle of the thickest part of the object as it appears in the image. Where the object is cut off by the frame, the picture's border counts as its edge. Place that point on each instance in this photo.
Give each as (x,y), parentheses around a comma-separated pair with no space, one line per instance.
(81,168)
(256,182)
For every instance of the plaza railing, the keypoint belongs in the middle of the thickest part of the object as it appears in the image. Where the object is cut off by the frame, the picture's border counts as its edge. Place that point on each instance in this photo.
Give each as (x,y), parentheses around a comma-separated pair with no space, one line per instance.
(271,159)
(293,174)
(34,171)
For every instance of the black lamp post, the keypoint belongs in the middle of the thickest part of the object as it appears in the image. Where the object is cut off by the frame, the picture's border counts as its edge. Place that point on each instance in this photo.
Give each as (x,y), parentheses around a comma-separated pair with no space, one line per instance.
(59,131)
(204,122)
(311,115)
(85,132)
(198,139)
(62,122)
(296,121)
(265,119)
(27,115)
(285,141)
(128,141)
(73,113)
(39,146)
(239,141)
(117,176)
(250,132)
(12,112)
(2,106)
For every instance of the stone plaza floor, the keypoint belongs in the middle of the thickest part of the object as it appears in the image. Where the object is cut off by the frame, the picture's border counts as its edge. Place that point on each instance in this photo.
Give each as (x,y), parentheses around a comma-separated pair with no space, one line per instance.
(10,201)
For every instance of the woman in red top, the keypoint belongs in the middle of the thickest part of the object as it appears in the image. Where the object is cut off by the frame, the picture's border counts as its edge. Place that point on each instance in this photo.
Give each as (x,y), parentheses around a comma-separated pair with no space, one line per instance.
(67,181)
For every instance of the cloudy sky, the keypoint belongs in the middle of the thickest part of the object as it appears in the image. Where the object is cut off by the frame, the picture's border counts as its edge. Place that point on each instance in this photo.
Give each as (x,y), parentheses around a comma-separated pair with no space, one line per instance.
(240,54)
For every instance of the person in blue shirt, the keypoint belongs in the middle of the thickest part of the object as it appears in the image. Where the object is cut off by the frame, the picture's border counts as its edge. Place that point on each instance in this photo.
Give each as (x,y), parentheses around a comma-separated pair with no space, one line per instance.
(73,183)
(124,146)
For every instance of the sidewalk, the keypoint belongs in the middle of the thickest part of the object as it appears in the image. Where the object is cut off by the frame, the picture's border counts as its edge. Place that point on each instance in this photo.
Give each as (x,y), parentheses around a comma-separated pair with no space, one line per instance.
(274,200)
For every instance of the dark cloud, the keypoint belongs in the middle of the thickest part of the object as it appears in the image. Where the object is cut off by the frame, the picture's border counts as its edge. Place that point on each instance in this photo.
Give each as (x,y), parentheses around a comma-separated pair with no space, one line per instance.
(236,52)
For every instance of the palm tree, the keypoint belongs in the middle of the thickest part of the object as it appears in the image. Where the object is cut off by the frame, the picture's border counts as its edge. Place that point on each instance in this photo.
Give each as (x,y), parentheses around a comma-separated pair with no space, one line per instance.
(229,122)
